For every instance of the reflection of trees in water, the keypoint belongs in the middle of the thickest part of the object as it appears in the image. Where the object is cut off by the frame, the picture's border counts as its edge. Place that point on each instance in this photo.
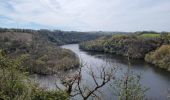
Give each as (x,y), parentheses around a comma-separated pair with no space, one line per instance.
(136,63)
(115,58)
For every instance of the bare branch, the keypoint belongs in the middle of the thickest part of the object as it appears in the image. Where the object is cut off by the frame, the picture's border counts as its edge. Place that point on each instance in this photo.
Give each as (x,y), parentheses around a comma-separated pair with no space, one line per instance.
(76,87)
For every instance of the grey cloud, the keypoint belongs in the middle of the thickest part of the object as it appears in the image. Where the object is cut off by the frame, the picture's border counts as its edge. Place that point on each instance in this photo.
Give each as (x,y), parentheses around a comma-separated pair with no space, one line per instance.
(93,15)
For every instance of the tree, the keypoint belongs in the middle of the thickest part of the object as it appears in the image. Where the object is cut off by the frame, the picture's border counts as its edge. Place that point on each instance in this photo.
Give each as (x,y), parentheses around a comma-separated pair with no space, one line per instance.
(160,57)
(74,85)
(165,36)
(15,85)
(12,86)
(129,87)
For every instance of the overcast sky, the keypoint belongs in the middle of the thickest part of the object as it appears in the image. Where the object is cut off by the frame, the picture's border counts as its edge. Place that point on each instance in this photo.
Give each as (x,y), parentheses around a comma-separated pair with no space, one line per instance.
(86,15)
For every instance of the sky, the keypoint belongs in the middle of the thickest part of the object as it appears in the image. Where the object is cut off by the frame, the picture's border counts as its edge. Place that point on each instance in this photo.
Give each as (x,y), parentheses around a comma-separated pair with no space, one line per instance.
(86,15)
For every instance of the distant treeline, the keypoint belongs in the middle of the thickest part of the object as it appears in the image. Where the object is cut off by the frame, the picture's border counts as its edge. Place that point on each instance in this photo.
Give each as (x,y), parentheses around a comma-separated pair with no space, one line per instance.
(57,36)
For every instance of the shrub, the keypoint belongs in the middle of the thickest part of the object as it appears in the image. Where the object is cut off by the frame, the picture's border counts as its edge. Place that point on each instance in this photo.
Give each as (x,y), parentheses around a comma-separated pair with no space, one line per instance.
(160,57)
(49,95)
(126,45)
(15,85)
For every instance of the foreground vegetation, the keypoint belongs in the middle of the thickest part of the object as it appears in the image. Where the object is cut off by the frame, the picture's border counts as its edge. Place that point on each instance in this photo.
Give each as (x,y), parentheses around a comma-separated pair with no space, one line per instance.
(15,85)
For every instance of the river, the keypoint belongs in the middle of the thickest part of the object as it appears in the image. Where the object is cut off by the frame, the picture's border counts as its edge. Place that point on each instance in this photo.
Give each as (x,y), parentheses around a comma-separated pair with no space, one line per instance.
(157,80)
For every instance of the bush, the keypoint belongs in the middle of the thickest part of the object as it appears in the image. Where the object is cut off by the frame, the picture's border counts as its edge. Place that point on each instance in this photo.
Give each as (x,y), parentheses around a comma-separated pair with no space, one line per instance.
(50,95)
(160,57)
(15,85)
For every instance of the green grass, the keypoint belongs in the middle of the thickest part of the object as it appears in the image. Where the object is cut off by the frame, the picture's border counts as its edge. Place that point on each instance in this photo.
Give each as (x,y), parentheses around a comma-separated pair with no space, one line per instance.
(118,35)
(150,35)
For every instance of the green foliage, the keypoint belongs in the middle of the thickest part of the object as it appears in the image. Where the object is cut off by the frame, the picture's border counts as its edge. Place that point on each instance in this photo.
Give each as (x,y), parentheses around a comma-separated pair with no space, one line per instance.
(43,55)
(126,45)
(15,85)
(150,35)
(130,88)
(93,45)
(160,57)
(50,95)
(12,84)
(165,37)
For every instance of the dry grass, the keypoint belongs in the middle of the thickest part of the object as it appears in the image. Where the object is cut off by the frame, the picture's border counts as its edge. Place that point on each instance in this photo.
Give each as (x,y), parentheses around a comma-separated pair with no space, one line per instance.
(27,37)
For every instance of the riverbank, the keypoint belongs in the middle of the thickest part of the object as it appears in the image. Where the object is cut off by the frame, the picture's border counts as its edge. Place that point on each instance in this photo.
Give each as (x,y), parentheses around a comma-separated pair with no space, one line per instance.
(160,57)
(156,79)
(133,46)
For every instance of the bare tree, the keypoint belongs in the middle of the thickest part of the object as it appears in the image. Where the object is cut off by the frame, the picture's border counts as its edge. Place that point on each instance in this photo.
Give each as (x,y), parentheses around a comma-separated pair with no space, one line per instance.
(74,85)
(127,87)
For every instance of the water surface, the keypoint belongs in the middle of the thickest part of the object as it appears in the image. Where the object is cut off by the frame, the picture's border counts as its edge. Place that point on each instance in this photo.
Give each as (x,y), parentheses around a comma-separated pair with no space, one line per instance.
(156,79)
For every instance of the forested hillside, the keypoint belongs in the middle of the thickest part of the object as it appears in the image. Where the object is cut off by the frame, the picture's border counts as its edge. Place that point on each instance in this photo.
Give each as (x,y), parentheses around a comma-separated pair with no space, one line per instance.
(135,45)
(58,37)
(44,56)
(25,51)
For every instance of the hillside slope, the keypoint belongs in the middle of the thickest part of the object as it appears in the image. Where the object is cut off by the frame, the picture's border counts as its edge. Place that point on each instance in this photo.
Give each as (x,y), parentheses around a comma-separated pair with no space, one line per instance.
(43,55)
(133,46)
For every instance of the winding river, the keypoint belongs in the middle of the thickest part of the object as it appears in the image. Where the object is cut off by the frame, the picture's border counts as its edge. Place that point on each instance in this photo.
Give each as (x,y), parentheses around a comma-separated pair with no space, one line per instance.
(157,80)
